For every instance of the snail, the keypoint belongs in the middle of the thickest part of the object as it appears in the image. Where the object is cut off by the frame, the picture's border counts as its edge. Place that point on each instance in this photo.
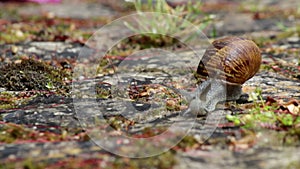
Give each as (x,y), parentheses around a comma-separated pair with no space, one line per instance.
(225,66)
(233,59)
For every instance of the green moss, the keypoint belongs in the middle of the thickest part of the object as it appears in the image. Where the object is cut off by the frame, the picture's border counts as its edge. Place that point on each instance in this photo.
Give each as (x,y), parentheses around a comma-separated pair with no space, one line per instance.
(26,164)
(264,116)
(7,101)
(164,161)
(103,93)
(118,122)
(10,100)
(292,137)
(13,36)
(9,12)
(272,116)
(293,165)
(34,75)
(150,132)
(187,142)
(11,132)
(46,29)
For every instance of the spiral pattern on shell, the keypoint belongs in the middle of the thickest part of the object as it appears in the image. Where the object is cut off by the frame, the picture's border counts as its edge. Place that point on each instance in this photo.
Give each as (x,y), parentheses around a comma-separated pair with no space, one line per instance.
(231,59)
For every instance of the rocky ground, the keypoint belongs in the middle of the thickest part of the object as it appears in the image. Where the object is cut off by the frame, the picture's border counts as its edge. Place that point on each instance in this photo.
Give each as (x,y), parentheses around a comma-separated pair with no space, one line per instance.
(59,100)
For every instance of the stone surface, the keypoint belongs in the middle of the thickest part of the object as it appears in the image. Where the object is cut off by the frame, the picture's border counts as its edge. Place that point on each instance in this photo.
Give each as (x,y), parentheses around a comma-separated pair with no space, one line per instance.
(56,113)
(70,9)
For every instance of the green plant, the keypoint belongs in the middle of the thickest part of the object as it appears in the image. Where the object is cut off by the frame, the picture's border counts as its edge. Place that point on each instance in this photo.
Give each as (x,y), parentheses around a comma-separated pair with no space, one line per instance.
(159,24)
(266,115)
(50,85)
(281,26)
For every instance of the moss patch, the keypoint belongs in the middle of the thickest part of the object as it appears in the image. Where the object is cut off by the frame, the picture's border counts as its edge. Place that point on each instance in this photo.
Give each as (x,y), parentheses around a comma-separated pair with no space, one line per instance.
(11,100)
(101,160)
(30,74)
(163,161)
(14,133)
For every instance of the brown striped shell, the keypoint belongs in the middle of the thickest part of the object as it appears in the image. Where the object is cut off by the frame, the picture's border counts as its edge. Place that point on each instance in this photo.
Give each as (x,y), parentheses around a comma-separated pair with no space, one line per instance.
(232,59)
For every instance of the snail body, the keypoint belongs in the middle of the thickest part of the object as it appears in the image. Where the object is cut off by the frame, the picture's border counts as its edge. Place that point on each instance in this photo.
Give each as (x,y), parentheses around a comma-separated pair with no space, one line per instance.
(225,66)
(233,60)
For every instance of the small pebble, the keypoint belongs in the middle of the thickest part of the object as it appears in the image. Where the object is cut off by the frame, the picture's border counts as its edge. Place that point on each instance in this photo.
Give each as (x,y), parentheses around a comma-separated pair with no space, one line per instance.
(293,39)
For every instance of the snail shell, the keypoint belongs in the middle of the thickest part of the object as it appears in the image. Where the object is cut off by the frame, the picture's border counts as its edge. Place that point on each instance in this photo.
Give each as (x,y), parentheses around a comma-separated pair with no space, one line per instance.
(231,59)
